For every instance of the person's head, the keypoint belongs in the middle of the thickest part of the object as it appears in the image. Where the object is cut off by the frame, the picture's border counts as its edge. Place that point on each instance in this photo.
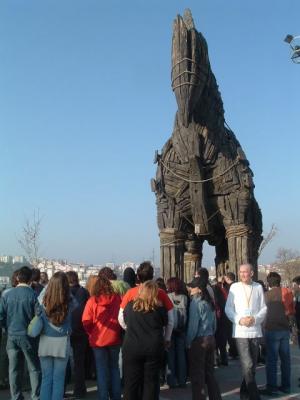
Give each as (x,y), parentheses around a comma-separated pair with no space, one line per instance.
(194,286)
(129,276)
(57,297)
(147,299)
(72,278)
(176,285)
(107,273)
(145,272)
(36,275)
(229,278)
(90,284)
(274,279)
(102,286)
(198,287)
(203,274)
(161,283)
(14,278)
(24,275)
(296,280)
(246,273)
(44,279)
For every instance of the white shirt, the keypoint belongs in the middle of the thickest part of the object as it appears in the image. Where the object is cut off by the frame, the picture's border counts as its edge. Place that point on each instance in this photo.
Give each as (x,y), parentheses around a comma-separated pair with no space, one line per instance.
(244,300)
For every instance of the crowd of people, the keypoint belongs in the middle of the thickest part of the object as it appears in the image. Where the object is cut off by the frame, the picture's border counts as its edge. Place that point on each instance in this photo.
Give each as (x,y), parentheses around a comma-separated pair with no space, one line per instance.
(136,334)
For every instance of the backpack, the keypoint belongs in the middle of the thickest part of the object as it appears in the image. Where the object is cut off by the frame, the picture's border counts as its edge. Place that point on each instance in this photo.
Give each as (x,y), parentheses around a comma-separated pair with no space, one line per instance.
(180,311)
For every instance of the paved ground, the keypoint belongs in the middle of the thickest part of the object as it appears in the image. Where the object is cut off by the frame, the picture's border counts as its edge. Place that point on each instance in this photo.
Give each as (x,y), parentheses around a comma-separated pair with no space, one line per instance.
(229,379)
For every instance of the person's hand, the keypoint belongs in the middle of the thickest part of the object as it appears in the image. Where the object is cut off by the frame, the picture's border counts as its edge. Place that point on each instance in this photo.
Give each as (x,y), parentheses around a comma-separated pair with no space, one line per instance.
(246,321)
(251,321)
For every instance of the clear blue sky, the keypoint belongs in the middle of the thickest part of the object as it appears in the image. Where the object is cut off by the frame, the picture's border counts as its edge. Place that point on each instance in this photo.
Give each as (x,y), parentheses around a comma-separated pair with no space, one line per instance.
(85,100)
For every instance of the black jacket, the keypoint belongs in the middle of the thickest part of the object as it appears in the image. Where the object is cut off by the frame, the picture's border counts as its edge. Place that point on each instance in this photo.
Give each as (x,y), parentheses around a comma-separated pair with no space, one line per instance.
(81,295)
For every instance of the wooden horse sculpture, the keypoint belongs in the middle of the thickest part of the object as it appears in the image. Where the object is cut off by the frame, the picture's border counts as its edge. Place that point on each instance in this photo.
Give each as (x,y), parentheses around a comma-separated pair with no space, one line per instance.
(203,185)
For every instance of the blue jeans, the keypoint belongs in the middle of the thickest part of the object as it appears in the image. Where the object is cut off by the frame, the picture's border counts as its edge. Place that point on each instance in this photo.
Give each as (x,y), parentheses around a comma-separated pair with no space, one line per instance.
(277,343)
(16,345)
(177,360)
(108,372)
(53,377)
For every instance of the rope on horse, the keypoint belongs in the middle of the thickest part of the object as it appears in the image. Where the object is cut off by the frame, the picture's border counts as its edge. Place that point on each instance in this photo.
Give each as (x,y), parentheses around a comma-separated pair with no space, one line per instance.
(238,230)
(180,240)
(173,241)
(204,180)
(182,73)
(185,84)
(208,219)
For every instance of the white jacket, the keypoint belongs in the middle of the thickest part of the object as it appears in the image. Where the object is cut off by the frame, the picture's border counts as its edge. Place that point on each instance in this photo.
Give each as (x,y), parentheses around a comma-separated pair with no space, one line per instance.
(237,305)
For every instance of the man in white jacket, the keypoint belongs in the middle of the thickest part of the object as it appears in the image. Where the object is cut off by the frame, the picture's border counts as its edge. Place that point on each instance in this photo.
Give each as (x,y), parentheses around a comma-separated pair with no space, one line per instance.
(246,308)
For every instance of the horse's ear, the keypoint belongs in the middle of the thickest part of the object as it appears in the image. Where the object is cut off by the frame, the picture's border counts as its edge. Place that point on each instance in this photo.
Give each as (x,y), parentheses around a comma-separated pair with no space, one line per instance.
(188,19)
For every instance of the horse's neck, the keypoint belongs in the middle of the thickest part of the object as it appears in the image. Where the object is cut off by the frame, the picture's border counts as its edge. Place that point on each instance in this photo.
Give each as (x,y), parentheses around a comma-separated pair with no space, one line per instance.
(209,111)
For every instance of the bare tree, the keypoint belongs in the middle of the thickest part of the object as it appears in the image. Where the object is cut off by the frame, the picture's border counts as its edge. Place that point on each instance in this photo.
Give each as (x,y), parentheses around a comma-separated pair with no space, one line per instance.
(288,260)
(267,239)
(30,237)
(284,255)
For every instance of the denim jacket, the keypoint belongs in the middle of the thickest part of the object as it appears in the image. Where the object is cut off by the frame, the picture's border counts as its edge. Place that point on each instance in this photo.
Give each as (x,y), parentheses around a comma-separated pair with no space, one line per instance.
(17,308)
(202,320)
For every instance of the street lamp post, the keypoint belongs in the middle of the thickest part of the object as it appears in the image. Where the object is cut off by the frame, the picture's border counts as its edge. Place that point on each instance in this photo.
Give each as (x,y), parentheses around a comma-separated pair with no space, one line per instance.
(294,42)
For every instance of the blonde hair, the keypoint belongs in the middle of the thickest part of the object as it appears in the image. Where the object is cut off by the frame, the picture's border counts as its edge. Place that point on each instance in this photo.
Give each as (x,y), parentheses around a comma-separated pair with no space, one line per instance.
(90,285)
(147,299)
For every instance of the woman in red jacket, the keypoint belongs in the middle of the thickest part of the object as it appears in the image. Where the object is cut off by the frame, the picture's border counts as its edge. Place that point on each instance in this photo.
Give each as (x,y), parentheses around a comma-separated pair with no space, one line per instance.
(100,320)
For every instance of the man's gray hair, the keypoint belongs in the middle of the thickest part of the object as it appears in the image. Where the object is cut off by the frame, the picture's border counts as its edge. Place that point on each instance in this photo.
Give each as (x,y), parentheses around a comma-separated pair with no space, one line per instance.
(250,266)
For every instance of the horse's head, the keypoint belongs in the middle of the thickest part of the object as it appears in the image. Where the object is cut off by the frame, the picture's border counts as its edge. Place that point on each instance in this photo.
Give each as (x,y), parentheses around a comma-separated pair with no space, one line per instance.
(190,66)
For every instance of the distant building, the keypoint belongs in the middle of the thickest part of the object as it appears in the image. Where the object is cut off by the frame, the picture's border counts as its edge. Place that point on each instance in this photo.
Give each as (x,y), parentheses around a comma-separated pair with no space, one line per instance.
(128,264)
(19,259)
(110,265)
(6,259)
(4,281)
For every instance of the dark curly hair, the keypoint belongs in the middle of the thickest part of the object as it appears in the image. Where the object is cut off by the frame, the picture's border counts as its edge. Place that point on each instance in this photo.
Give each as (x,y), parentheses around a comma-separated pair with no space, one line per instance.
(102,286)
(108,273)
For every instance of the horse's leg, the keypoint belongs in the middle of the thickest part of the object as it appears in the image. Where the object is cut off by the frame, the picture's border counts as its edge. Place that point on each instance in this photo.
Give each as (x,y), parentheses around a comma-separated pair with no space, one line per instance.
(192,257)
(257,234)
(171,239)
(172,253)
(221,259)
(239,233)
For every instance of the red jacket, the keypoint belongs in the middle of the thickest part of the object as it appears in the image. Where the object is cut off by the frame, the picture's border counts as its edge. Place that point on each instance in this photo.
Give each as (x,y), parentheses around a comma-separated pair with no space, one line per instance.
(100,320)
(288,301)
